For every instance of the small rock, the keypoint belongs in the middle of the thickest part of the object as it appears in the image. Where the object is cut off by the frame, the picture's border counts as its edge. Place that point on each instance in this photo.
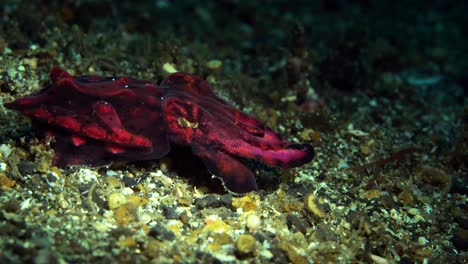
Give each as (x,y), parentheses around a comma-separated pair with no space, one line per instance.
(460,239)
(168,68)
(433,176)
(144,218)
(214,65)
(32,63)
(261,237)
(215,224)
(127,242)
(246,245)
(184,218)
(406,197)
(26,167)
(120,231)
(247,203)
(160,232)
(298,190)
(129,181)
(5,150)
(414,211)
(222,238)
(214,201)
(126,213)
(422,241)
(367,147)
(279,255)
(100,202)
(293,256)
(137,200)
(154,249)
(116,199)
(87,175)
(296,224)
(325,233)
(253,222)
(378,259)
(225,199)
(406,260)
(185,200)
(307,134)
(313,206)
(372,194)
(11,206)
(460,217)
(460,184)
(459,243)
(6,182)
(101,227)
(207,201)
(169,212)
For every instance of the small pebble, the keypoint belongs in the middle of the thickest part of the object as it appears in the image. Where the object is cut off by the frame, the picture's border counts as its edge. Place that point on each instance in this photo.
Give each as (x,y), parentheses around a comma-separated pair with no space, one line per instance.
(406,197)
(372,194)
(5,150)
(124,214)
(313,206)
(460,238)
(26,167)
(246,203)
(137,200)
(6,182)
(214,201)
(170,213)
(414,211)
(253,222)
(127,242)
(215,224)
(160,232)
(116,199)
(207,201)
(86,175)
(246,245)
(433,176)
(297,224)
(129,181)
(225,199)
(144,218)
(367,147)
(101,226)
(3,166)
(32,63)
(214,65)
(378,259)
(168,68)
(422,241)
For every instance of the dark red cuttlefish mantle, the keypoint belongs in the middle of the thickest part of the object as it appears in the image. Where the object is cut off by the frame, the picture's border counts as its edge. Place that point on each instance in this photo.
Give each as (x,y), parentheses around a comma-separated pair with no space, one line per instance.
(99,120)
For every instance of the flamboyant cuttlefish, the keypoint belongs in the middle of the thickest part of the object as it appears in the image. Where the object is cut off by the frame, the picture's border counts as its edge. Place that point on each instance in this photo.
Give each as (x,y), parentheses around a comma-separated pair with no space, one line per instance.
(99,120)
